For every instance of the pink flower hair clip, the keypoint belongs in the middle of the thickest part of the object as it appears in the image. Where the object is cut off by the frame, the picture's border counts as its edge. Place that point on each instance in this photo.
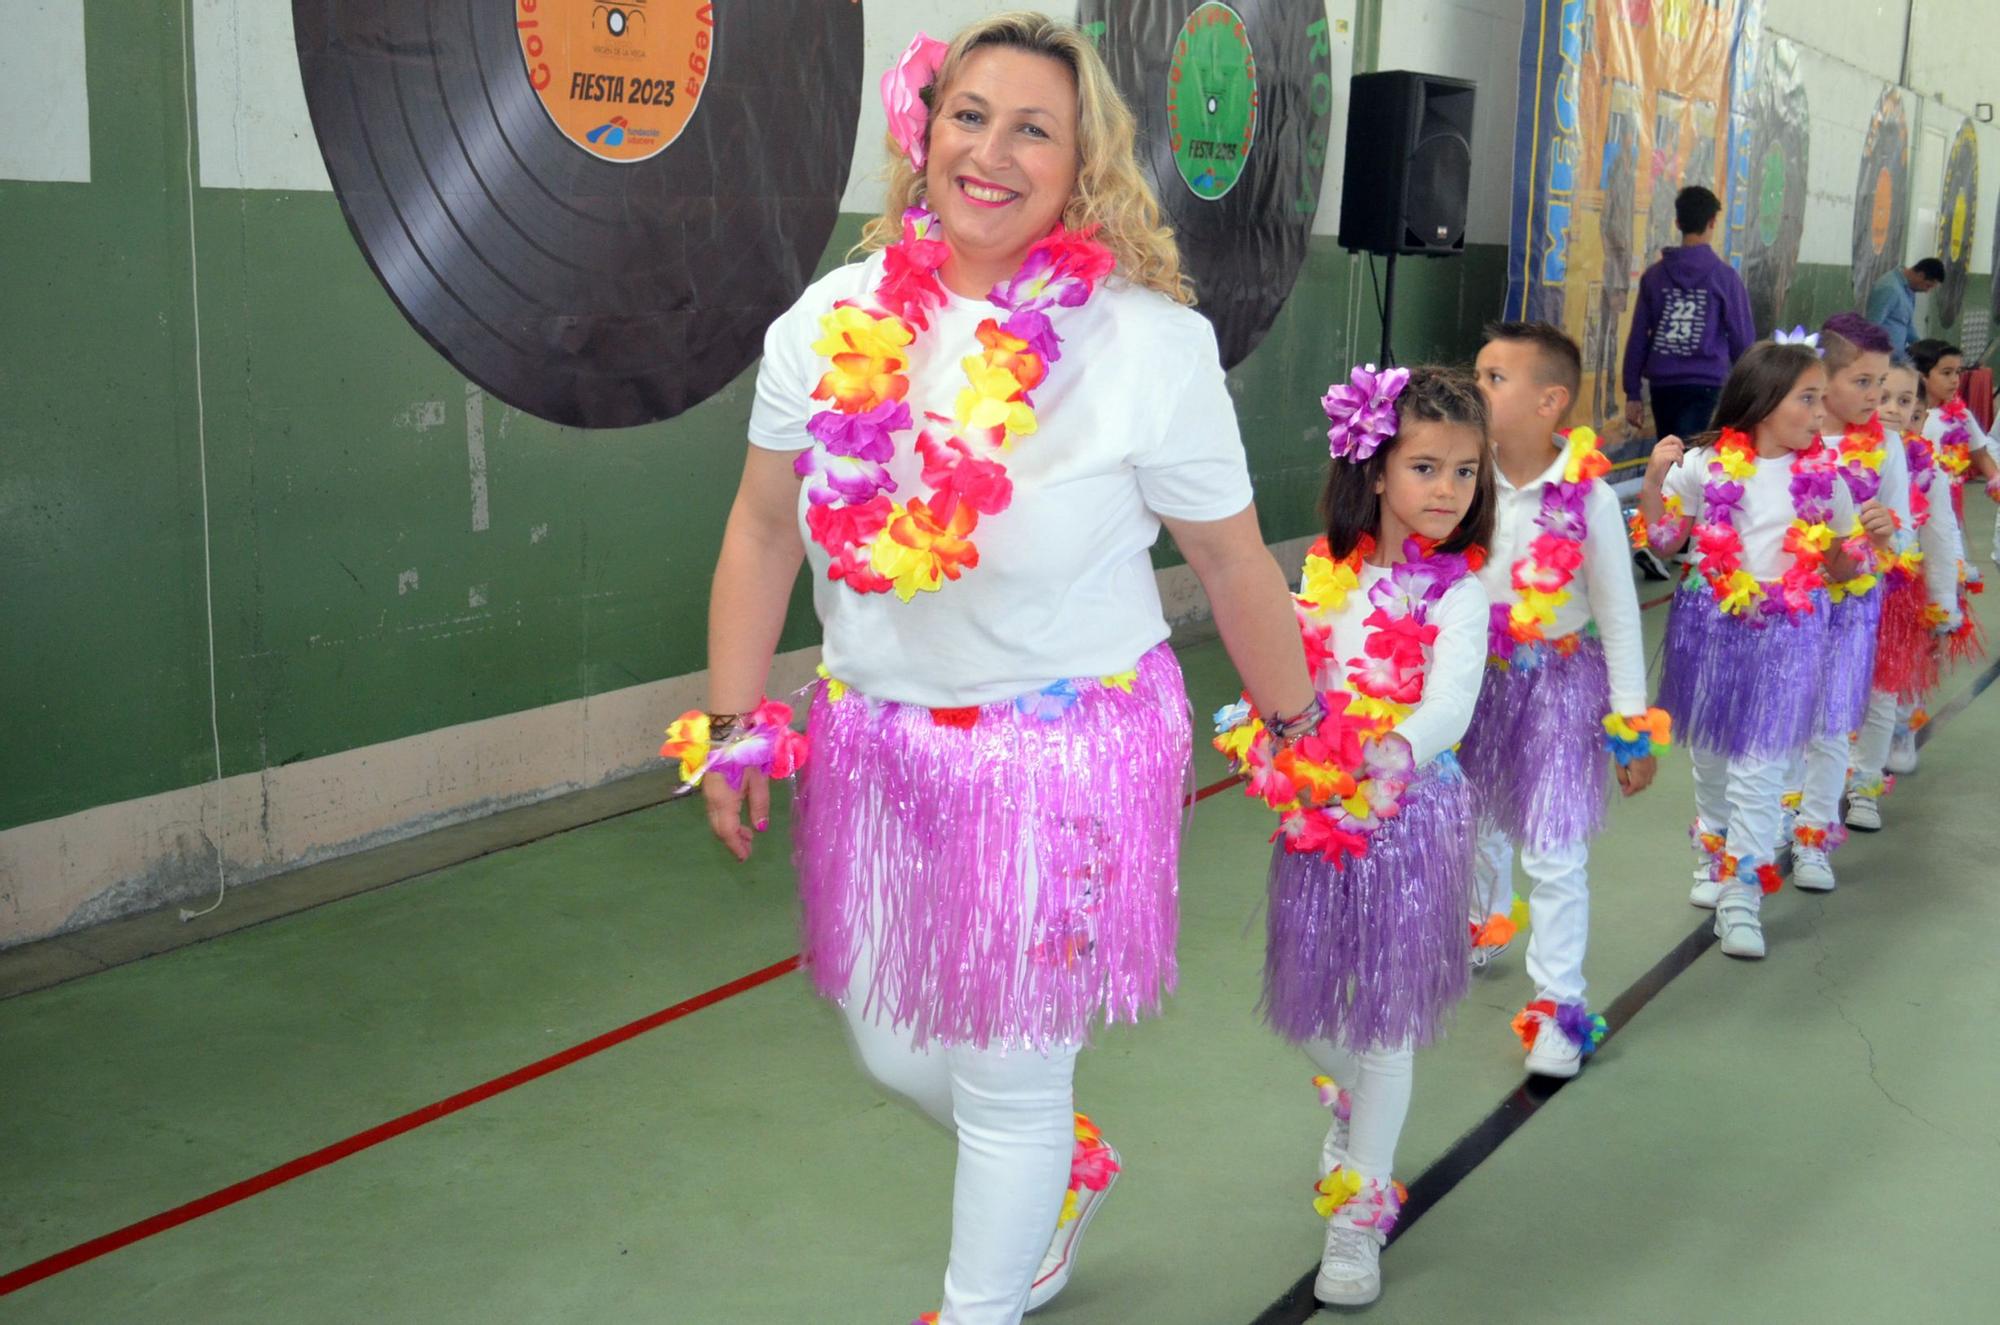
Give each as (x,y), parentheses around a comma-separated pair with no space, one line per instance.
(902,94)
(1364,412)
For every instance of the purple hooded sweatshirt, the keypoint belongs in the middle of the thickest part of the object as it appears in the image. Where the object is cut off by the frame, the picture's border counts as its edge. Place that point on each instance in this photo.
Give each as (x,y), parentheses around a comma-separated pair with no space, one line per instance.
(1692,323)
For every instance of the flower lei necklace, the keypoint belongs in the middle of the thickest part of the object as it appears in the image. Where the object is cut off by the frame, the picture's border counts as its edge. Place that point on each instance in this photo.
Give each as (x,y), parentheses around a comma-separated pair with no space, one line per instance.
(1861,452)
(1955,446)
(1923,462)
(1738,592)
(1542,577)
(876,543)
(1341,782)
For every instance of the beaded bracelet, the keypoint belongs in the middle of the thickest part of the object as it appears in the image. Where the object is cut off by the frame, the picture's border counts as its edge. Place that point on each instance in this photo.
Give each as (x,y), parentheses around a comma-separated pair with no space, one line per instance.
(761,740)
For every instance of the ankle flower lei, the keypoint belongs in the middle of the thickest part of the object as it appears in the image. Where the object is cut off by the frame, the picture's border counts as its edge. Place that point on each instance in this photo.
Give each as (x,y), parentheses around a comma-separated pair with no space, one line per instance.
(1092,1166)
(1342,781)
(761,741)
(1542,578)
(1378,1205)
(1577,1023)
(1738,592)
(879,544)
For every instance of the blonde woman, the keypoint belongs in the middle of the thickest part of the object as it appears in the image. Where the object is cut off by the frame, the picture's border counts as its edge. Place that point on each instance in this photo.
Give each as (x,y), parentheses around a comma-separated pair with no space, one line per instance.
(973,437)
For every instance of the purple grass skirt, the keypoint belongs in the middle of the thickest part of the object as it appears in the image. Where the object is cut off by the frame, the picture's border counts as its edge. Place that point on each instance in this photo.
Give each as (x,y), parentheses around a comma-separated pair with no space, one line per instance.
(1374,952)
(1535,751)
(1848,674)
(1739,685)
(923,841)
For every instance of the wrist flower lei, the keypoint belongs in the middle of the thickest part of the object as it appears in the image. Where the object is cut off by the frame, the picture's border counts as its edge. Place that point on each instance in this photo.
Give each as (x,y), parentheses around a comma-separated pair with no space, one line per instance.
(761,741)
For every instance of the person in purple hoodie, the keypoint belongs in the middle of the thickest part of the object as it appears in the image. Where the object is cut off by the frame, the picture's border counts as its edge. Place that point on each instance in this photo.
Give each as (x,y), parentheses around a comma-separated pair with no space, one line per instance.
(1692,323)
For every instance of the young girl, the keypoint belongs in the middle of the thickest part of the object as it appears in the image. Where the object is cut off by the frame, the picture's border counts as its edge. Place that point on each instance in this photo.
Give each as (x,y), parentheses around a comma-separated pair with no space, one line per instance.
(1922,607)
(1565,677)
(1747,634)
(1367,945)
(1872,468)
(1965,448)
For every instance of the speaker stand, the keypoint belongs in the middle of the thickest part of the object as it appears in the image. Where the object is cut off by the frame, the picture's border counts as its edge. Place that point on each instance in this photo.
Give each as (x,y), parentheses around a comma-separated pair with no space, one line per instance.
(1388,358)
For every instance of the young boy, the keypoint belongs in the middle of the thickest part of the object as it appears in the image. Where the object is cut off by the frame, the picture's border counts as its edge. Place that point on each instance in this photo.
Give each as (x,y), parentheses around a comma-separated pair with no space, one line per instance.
(1566,664)
(1692,323)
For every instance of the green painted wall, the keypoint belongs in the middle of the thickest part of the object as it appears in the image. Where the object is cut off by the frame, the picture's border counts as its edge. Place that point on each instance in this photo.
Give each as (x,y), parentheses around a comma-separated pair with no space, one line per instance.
(328,482)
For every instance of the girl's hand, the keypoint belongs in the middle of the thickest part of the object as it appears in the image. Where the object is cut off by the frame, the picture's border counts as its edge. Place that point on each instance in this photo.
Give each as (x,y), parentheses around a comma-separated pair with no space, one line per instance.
(725,811)
(1667,453)
(1636,776)
(1879,523)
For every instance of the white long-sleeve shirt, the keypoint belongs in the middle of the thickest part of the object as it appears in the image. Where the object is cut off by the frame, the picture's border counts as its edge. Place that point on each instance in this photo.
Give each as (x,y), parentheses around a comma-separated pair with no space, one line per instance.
(1602,590)
(1942,542)
(1936,425)
(1454,667)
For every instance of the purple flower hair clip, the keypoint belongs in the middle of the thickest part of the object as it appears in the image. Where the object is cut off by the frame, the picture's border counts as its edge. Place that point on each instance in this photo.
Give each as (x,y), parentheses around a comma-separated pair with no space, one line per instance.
(1799,336)
(1363,413)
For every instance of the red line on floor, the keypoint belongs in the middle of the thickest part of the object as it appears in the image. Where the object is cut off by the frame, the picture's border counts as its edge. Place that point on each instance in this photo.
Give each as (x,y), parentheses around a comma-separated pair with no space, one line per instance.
(1661,601)
(375,1136)
(85,1252)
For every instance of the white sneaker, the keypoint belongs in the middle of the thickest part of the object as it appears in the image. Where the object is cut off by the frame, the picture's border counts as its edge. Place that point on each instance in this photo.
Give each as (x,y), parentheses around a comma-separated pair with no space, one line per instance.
(1737,925)
(1864,813)
(1705,891)
(1902,753)
(1350,1269)
(1811,870)
(1060,1259)
(1554,1054)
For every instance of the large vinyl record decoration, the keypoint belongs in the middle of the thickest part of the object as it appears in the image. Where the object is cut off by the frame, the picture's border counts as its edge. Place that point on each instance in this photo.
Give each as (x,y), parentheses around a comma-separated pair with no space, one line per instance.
(1233,102)
(1882,195)
(592,209)
(1956,213)
(1775,216)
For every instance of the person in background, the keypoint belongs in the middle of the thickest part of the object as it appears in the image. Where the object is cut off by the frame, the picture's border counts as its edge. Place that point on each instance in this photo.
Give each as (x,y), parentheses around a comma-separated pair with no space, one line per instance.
(1892,303)
(1692,323)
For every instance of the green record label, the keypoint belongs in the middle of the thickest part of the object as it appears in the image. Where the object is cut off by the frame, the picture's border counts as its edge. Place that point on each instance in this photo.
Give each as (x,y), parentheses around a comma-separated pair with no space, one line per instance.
(1212,100)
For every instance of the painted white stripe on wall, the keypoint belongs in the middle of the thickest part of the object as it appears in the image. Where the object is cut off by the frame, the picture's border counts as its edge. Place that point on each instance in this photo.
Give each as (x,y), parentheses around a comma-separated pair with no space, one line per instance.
(475,453)
(44,94)
(250,102)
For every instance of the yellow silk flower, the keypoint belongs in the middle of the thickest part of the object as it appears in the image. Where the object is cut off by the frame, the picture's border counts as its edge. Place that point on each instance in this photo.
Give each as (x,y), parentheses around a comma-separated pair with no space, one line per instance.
(1326,583)
(993,400)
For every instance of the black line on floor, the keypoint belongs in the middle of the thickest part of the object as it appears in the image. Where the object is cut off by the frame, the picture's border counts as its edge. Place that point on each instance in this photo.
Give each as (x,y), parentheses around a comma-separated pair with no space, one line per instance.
(1297,1305)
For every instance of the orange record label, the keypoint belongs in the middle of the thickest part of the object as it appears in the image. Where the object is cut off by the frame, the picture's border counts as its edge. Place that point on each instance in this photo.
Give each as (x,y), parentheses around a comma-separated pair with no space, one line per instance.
(620,79)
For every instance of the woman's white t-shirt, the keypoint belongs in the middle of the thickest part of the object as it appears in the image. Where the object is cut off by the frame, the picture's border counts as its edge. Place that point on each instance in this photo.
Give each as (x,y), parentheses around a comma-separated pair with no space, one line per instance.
(1134,422)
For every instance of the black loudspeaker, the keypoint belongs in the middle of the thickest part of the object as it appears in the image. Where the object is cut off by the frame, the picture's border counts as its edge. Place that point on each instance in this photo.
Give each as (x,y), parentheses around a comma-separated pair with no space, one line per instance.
(1409,163)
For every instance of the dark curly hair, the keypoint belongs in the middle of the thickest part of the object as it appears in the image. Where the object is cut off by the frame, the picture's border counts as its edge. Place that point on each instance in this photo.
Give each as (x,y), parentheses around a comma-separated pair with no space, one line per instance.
(1349,502)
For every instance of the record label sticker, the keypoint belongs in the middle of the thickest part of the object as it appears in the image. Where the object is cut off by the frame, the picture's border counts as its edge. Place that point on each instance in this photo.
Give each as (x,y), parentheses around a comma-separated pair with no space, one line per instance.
(620,80)
(1212,100)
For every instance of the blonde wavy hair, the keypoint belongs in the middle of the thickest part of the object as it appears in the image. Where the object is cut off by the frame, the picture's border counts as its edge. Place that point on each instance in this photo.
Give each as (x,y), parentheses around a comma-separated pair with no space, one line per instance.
(1111,193)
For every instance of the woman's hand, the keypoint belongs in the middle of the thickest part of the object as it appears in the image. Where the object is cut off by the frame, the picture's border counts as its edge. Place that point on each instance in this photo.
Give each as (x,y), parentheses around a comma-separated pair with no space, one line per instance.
(725,811)
(1879,523)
